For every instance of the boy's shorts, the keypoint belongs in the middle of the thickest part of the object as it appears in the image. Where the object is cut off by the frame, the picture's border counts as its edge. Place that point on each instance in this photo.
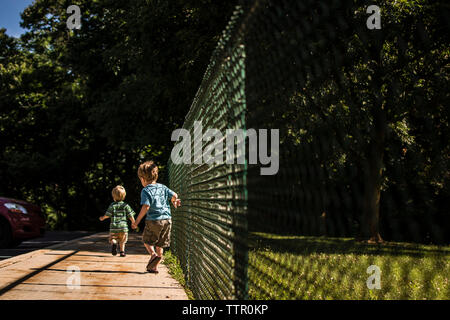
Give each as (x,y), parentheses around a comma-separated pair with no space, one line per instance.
(157,233)
(121,237)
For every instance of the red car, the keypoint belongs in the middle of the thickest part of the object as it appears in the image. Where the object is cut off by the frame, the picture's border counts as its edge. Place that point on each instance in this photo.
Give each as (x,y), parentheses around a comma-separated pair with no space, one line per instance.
(19,220)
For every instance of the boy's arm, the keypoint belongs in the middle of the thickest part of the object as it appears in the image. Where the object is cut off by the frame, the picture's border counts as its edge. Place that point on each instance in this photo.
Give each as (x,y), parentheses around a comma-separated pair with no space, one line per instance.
(142,213)
(133,223)
(130,214)
(175,201)
(107,215)
(145,202)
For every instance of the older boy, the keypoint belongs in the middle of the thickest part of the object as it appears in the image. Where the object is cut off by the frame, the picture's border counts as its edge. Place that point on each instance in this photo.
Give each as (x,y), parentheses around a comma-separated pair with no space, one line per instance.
(156,207)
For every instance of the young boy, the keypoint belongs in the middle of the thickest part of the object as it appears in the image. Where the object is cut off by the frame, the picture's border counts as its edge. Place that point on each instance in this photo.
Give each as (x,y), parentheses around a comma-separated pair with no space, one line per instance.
(118,211)
(155,206)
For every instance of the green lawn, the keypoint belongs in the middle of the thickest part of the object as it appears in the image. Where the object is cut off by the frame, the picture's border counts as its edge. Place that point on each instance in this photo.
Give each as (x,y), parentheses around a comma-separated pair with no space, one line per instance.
(299,267)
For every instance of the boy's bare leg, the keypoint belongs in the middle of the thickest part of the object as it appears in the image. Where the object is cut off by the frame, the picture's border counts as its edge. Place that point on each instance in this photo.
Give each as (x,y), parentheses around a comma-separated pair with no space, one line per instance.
(159,252)
(122,246)
(150,249)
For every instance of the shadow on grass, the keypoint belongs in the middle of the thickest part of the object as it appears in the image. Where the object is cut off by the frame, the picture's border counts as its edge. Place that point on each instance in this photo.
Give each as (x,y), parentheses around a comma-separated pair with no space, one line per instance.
(305,245)
(308,267)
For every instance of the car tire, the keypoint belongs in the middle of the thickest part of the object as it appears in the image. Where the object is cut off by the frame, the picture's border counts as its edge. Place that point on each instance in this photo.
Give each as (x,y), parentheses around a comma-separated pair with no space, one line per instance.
(6,238)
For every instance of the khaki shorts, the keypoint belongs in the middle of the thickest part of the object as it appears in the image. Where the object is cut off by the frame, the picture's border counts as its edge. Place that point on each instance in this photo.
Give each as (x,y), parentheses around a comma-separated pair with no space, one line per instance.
(121,237)
(157,233)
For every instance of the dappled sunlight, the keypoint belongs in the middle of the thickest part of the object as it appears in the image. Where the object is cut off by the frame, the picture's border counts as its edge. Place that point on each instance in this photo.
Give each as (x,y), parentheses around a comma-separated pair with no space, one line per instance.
(299,267)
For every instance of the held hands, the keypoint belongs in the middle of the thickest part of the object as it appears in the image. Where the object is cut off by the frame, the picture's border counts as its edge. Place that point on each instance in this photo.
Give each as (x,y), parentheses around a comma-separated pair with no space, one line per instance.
(134,225)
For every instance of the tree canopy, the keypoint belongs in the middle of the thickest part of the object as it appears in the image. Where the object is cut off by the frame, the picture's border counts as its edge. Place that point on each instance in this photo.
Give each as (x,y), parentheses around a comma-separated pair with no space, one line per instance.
(81,108)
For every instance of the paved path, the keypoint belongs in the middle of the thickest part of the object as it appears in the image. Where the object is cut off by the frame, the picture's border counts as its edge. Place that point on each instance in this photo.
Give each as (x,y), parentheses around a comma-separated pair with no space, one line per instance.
(43,274)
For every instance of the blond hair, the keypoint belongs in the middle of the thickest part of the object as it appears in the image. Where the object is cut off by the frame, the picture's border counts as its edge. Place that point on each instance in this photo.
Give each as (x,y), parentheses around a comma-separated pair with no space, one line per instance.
(148,171)
(119,193)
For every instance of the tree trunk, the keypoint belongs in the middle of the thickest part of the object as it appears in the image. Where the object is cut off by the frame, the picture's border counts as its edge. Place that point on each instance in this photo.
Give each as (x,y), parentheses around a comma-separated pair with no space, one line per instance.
(373,178)
(372,204)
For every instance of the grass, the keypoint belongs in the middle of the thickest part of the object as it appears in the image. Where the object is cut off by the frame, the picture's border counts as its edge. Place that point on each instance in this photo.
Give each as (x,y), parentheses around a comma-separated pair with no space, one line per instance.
(173,264)
(301,267)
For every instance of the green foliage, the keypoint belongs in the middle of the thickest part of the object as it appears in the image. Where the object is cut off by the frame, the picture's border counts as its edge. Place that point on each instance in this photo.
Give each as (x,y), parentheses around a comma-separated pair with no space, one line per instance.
(362,115)
(81,109)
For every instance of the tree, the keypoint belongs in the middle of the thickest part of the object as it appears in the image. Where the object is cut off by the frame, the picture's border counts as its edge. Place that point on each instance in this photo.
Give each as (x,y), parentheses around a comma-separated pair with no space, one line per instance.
(347,101)
(82,108)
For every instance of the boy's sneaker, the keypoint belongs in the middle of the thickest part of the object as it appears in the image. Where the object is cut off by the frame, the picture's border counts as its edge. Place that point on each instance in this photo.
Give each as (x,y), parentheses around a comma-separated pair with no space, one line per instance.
(122,254)
(152,263)
(114,249)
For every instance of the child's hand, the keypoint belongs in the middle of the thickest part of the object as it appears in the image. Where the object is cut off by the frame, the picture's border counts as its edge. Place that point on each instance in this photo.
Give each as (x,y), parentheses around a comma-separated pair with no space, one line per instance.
(101,218)
(177,203)
(134,225)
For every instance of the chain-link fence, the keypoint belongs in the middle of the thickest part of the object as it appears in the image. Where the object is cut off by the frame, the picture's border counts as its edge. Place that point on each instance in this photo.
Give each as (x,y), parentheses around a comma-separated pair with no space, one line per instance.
(207,235)
(358,206)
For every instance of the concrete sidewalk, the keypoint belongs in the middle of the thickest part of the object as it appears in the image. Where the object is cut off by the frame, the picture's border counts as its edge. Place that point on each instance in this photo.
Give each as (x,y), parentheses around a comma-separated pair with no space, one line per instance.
(43,274)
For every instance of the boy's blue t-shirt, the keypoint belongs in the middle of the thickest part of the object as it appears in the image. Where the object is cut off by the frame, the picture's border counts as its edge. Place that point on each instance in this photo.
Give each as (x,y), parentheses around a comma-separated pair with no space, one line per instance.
(157,196)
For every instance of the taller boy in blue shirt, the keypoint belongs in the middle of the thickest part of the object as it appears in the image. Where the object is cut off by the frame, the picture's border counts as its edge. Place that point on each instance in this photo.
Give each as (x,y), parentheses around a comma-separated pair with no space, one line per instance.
(156,208)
